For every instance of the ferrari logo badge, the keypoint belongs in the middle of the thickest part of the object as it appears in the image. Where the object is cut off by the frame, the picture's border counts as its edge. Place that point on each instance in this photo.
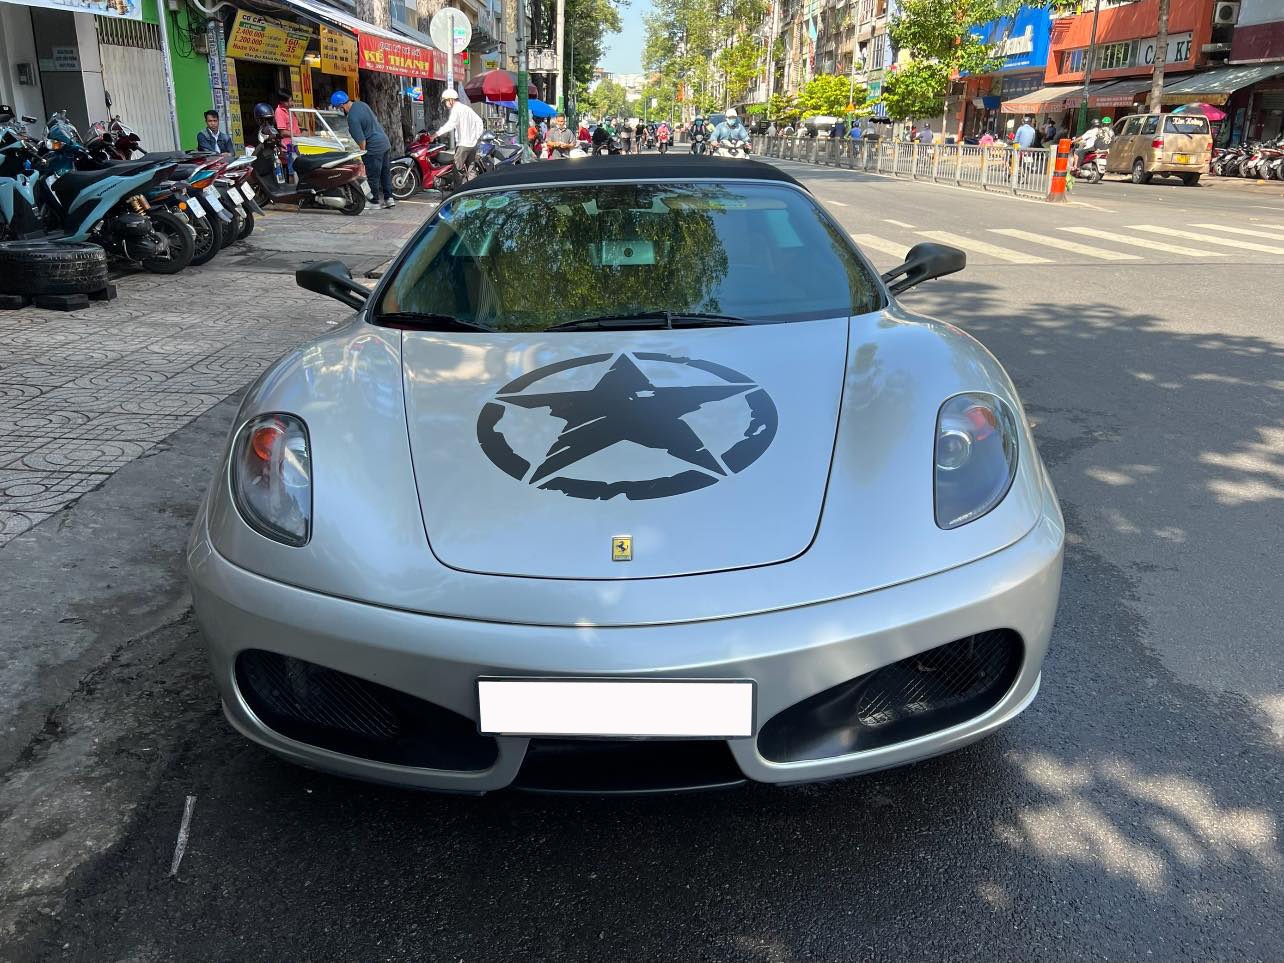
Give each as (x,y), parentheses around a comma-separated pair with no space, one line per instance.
(622,548)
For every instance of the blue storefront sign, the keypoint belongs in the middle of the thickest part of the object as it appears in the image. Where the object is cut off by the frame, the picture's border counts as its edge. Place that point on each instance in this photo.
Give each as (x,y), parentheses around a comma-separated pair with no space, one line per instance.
(1020,42)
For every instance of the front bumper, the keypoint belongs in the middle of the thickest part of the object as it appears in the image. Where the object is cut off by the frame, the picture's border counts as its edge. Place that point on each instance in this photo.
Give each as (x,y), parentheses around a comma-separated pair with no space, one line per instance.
(792,654)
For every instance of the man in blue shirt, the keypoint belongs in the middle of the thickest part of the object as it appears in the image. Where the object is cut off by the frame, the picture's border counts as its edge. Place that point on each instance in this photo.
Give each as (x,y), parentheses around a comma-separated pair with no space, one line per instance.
(211,139)
(1025,133)
(730,131)
(364,128)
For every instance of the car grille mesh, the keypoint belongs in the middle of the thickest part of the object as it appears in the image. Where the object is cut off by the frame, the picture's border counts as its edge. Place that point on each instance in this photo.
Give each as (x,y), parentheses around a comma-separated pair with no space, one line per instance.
(318,695)
(913,697)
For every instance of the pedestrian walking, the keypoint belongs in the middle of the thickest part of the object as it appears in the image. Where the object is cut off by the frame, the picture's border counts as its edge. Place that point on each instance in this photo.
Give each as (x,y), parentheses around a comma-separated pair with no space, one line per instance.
(1026,133)
(925,135)
(1049,131)
(467,128)
(365,129)
(212,139)
(771,129)
(560,137)
(988,137)
(839,129)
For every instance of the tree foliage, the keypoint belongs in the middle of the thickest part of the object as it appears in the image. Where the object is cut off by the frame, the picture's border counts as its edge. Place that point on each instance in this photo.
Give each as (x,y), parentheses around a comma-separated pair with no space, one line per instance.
(707,45)
(606,97)
(588,22)
(916,89)
(828,95)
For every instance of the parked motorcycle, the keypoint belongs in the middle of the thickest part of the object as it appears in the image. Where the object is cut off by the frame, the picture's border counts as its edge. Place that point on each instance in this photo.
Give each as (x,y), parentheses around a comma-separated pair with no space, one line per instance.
(329,180)
(492,153)
(429,166)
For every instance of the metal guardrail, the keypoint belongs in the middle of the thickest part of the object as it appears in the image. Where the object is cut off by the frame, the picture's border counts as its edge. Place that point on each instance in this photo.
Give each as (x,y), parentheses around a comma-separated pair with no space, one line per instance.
(1024,171)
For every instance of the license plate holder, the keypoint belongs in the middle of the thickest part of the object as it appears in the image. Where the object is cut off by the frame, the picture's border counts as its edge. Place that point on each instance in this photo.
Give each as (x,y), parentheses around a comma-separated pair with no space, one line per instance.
(195,206)
(617,708)
(1182,158)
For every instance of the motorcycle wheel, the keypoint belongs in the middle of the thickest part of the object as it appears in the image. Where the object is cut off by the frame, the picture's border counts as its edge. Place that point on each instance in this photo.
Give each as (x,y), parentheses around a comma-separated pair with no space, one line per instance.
(1095,176)
(207,242)
(231,229)
(261,197)
(406,180)
(178,240)
(247,226)
(356,199)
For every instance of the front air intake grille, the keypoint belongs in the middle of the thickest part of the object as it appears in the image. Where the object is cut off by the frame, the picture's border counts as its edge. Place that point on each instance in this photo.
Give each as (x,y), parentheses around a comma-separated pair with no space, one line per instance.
(343,713)
(925,693)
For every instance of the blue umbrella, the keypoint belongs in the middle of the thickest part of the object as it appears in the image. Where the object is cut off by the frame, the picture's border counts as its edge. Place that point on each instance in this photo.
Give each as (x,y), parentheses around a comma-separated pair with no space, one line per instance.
(537,107)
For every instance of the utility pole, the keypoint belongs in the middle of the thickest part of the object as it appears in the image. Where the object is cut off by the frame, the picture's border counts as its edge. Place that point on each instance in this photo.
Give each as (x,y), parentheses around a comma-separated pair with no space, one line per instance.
(1087,68)
(561,65)
(523,82)
(771,47)
(1161,59)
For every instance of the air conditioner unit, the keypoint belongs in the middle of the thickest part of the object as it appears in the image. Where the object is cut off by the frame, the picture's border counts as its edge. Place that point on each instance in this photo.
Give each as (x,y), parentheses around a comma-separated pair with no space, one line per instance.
(1225,13)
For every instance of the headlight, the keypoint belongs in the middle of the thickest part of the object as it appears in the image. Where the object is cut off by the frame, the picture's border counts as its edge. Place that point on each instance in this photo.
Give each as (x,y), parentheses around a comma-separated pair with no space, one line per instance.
(976,457)
(272,477)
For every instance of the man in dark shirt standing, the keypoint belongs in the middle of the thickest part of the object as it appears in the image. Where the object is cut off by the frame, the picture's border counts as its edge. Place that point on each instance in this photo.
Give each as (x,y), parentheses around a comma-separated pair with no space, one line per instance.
(211,139)
(364,128)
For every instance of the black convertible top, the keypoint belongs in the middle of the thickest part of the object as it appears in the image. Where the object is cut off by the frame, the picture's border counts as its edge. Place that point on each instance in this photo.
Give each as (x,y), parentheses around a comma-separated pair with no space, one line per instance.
(670,167)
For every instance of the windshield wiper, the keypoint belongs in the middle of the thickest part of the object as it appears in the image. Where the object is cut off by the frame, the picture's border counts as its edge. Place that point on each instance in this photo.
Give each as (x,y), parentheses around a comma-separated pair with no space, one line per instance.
(651,319)
(427,321)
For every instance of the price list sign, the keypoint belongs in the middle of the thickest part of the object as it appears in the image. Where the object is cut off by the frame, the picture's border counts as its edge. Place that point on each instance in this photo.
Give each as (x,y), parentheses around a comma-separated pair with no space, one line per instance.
(268,40)
(338,53)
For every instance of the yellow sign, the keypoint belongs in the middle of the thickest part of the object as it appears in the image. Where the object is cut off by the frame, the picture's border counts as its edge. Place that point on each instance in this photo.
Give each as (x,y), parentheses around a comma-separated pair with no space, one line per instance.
(622,548)
(490,61)
(236,130)
(268,40)
(338,53)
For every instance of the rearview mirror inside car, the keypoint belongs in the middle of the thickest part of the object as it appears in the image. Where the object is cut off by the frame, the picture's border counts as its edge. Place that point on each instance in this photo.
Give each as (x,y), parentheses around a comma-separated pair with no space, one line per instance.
(334,280)
(924,262)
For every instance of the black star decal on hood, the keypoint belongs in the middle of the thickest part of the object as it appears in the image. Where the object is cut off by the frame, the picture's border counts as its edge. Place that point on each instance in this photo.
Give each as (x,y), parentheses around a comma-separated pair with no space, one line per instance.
(625,406)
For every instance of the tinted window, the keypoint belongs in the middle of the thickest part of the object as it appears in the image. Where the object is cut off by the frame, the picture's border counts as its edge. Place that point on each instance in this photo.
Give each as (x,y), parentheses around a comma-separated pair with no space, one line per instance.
(1152,125)
(1185,124)
(1134,125)
(527,259)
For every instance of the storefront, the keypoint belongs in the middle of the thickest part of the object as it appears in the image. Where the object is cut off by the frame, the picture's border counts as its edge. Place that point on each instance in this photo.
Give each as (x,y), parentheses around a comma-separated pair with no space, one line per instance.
(1021,43)
(1251,94)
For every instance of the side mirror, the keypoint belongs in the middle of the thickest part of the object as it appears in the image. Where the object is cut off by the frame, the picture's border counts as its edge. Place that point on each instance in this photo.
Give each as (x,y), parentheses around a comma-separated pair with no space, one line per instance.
(924,262)
(334,280)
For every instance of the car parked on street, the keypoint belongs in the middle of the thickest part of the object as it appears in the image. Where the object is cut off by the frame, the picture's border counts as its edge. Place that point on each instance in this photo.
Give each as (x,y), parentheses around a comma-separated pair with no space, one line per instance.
(628,478)
(1173,145)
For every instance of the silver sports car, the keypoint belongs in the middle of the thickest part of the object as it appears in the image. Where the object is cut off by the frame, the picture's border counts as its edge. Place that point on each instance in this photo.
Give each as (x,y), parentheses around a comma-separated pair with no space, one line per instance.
(625,477)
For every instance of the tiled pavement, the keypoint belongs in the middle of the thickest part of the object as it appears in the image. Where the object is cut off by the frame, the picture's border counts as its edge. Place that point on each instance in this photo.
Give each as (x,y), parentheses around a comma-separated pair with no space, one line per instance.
(83,393)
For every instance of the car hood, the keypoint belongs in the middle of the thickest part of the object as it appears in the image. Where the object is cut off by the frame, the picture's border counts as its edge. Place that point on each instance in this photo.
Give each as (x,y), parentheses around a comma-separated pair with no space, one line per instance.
(615,455)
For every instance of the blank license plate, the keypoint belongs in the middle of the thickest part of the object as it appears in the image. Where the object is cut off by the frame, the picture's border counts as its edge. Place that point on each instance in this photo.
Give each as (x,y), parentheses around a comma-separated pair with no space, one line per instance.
(616,707)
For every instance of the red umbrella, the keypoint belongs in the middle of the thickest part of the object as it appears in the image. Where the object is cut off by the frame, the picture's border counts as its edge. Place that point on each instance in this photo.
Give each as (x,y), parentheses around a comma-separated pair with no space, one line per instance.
(495,85)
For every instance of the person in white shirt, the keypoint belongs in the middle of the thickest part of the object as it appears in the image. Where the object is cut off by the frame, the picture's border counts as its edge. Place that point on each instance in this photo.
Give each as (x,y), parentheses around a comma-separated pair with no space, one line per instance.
(468,129)
(1086,142)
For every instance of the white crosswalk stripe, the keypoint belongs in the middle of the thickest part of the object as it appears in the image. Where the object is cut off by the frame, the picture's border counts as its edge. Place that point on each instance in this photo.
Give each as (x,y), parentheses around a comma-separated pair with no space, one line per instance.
(1271,235)
(983,247)
(1206,238)
(876,243)
(1150,245)
(1073,246)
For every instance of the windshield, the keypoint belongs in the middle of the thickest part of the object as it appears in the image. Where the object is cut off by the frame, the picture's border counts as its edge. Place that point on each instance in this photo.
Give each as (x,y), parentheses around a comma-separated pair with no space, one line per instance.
(530,259)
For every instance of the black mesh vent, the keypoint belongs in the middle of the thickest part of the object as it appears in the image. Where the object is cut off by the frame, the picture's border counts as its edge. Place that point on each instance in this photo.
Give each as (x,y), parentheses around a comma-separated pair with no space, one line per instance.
(627,765)
(343,713)
(925,693)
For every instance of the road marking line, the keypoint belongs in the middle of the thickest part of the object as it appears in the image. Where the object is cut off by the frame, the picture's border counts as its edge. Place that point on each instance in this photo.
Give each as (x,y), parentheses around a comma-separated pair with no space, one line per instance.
(1274,236)
(1064,245)
(881,244)
(899,223)
(828,200)
(1145,242)
(184,829)
(984,247)
(1207,239)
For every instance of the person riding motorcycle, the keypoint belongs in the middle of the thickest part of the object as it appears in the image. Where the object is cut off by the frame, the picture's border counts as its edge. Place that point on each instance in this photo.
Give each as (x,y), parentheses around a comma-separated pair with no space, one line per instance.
(731,132)
(604,136)
(699,130)
(1097,137)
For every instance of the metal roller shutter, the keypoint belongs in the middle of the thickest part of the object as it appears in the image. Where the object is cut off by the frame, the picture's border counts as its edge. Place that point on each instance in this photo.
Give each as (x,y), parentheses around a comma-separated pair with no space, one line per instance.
(134,76)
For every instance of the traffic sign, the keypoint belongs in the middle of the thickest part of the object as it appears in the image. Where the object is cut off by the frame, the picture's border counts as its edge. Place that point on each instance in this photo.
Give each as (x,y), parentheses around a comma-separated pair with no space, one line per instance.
(450,30)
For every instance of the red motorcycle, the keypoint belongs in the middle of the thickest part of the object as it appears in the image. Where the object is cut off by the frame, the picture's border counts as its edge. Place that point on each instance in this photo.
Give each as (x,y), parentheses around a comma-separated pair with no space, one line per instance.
(429,166)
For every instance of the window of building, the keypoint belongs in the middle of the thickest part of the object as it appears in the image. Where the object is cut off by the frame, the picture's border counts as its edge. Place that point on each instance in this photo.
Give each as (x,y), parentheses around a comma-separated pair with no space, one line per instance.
(1109,57)
(878,52)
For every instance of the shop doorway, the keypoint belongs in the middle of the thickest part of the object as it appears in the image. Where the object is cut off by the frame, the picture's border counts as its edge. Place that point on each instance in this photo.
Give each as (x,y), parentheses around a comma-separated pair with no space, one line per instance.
(257,83)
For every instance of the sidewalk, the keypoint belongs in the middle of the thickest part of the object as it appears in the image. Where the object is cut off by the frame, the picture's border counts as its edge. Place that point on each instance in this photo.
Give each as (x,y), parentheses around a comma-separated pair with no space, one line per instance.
(84,393)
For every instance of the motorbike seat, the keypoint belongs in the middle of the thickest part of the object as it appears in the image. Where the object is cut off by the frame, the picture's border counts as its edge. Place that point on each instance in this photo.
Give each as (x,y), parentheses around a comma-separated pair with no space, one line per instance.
(306,163)
(72,183)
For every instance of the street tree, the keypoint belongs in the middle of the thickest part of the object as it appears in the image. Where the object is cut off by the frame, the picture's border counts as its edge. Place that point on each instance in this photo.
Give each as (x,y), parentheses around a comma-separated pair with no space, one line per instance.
(382,91)
(588,23)
(828,95)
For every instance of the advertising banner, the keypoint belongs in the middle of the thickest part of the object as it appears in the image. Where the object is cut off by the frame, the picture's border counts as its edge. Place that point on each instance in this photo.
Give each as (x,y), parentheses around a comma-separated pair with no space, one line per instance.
(338,53)
(268,40)
(128,9)
(403,59)
(235,129)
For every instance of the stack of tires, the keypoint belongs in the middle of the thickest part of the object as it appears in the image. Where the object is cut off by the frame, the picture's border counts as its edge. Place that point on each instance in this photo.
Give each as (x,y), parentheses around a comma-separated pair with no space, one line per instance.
(52,273)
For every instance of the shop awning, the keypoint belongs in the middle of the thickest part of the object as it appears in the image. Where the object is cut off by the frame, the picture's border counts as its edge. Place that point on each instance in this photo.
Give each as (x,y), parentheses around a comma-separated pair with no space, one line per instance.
(1044,99)
(1216,86)
(1117,93)
(339,18)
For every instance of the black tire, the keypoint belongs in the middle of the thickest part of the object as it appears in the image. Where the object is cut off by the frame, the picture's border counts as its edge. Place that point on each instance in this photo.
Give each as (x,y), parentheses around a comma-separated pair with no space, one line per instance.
(1139,175)
(1095,176)
(208,240)
(1190,180)
(231,229)
(356,198)
(179,240)
(52,267)
(261,197)
(247,226)
(406,181)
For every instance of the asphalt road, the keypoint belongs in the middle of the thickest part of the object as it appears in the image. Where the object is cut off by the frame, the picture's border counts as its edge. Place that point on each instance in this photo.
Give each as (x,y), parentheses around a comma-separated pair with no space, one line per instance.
(1134,811)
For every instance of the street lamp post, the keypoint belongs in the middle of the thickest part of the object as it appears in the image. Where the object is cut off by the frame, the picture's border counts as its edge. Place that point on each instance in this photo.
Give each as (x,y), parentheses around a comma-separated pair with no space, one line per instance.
(523,83)
(1087,71)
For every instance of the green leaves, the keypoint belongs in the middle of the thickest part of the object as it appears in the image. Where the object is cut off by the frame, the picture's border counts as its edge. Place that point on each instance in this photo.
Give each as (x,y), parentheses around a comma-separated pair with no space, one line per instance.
(916,89)
(829,95)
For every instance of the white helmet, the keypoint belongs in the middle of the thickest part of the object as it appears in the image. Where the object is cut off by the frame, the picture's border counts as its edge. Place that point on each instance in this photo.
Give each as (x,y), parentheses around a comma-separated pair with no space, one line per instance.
(731,114)
(449,94)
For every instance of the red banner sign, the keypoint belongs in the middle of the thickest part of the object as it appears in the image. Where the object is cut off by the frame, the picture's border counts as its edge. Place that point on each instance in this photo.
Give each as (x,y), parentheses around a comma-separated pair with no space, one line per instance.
(404,59)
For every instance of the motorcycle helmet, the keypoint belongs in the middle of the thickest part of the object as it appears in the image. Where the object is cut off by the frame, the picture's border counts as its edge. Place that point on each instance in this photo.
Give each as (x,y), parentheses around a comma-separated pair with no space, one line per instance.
(263,112)
(731,113)
(449,94)
(338,99)
(1105,121)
